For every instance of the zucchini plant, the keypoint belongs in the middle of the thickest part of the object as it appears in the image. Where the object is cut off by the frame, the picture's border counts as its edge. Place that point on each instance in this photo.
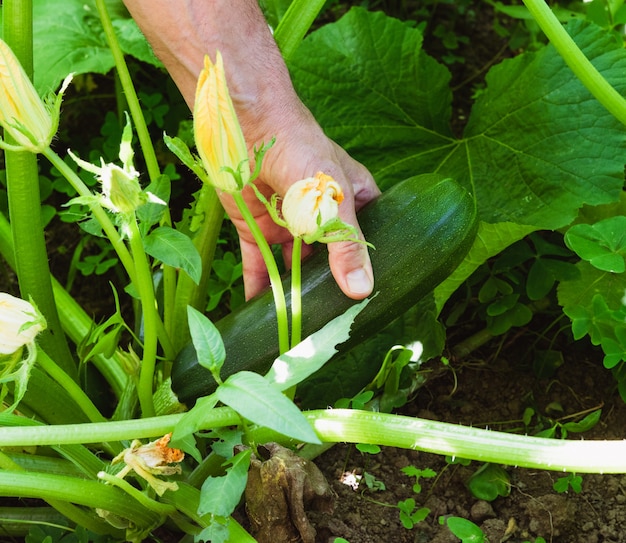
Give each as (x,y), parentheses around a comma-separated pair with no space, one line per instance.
(541,151)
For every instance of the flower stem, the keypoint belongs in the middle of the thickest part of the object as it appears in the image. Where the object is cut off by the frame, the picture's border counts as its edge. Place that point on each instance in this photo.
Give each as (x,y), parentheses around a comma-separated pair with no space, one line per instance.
(145,141)
(576,59)
(103,219)
(296,292)
(272,269)
(126,81)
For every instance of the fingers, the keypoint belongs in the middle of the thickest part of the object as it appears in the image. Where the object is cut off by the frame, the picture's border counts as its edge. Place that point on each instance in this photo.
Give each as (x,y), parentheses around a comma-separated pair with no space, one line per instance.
(349,262)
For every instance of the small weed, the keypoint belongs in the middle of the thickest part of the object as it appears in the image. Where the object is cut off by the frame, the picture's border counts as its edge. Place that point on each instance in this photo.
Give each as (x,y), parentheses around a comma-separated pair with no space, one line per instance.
(489,482)
(571,480)
(372,483)
(410,515)
(412,471)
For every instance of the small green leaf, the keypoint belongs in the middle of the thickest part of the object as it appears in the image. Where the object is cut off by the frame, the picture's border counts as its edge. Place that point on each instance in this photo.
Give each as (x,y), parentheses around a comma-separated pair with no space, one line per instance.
(220,495)
(206,340)
(368,448)
(255,399)
(191,422)
(465,530)
(150,213)
(174,249)
(489,482)
(585,424)
(602,244)
(215,532)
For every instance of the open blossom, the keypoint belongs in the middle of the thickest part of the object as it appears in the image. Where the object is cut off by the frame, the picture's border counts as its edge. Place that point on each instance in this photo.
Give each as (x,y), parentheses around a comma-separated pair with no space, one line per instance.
(310,204)
(121,191)
(217,132)
(154,458)
(20,322)
(23,114)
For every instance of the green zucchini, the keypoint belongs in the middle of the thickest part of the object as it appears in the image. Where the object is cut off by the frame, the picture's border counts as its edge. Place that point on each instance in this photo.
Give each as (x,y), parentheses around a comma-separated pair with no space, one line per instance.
(421,229)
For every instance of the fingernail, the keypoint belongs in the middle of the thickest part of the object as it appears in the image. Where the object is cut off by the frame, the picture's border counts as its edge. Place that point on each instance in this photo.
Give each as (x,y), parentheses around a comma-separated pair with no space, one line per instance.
(359,282)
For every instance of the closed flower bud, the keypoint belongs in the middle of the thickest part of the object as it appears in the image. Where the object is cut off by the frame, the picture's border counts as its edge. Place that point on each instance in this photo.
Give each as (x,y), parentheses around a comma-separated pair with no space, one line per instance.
(310,204)
(23,114)
(20,322)
(217,132)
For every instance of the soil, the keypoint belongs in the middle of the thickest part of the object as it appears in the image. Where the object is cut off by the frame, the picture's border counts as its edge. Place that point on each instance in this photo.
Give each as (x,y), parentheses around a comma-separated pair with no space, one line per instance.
(484,395)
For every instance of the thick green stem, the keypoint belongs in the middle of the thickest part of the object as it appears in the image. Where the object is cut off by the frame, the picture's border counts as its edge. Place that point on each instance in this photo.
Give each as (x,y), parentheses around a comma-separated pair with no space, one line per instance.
(354,426)
(272,270)
(589,456)
(92,494)
(145,288)
(295,24)
(31,257)
(204,239)
(296,292)
(576,60)
(71,387)
(83,518)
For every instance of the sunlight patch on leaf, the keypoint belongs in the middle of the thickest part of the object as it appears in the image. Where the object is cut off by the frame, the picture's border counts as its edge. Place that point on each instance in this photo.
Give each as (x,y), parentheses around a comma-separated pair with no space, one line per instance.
(311,354)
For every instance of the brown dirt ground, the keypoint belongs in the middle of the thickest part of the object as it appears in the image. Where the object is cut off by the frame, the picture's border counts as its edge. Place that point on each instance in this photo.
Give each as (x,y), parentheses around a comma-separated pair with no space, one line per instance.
(487,393)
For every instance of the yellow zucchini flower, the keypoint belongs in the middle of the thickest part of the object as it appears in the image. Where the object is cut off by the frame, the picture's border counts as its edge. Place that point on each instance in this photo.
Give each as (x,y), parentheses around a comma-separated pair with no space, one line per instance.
(218,135)
(310,204)
(29,120)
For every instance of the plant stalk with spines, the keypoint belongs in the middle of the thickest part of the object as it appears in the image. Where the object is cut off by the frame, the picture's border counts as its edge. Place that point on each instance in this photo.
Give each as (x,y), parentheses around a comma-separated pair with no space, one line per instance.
(356,426)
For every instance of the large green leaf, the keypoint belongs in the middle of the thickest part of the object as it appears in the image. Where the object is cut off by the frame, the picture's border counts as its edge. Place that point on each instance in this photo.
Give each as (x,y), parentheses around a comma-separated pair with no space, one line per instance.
(68,38)
(374,91)
(536,148)
(257,400)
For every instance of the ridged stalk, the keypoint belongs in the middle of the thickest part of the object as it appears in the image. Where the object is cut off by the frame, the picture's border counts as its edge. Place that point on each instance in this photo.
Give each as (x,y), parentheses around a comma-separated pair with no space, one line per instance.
(295,24)
(31,257)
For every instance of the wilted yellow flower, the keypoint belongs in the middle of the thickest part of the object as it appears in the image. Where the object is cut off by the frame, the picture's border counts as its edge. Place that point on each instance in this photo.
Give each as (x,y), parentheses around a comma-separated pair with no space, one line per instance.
(154,458)
(217,132)
(23,114)
(310,204)
(20,322)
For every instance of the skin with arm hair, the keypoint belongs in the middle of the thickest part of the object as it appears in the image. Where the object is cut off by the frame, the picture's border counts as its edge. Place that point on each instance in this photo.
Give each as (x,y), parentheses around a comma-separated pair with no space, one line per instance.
(181,34)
